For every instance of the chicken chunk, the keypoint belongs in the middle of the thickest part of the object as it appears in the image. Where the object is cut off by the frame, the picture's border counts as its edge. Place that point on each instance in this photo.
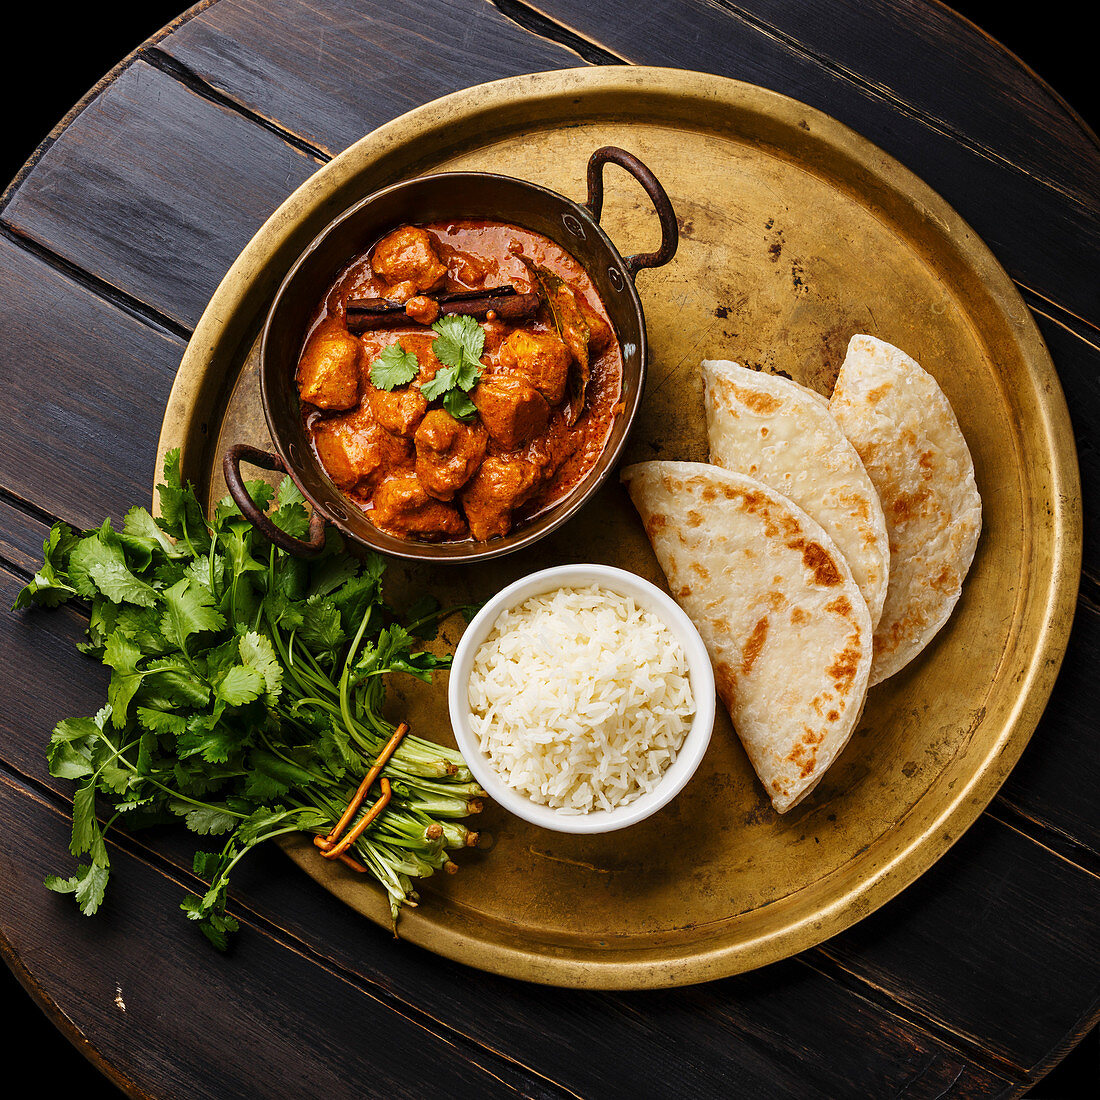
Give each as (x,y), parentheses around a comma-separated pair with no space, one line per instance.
(358,453)
(501,484)
(403,508)
(409,262)
(447,453)
(420,344)
(398,411)
(511,409)
(328,372)
(541,357)
(422,309)
(496,332)
(471,270)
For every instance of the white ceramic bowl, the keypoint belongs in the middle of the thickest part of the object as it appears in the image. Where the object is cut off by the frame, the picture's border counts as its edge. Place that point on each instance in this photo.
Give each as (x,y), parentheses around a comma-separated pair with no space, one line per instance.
(700,672)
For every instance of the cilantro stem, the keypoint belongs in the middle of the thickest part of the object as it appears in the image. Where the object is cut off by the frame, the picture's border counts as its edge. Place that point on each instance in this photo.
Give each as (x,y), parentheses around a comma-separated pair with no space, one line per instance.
(275,750)
(438,616)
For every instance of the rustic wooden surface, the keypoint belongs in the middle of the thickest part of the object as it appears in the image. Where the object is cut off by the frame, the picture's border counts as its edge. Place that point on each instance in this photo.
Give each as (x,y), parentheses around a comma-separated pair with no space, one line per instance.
(972,983)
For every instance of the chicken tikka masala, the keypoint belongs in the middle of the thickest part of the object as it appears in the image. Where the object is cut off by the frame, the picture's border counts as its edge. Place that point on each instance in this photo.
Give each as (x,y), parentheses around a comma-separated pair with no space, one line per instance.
(459,378)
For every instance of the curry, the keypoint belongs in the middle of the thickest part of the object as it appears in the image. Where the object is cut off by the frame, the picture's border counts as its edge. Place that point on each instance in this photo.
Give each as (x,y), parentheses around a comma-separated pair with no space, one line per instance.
(458,379)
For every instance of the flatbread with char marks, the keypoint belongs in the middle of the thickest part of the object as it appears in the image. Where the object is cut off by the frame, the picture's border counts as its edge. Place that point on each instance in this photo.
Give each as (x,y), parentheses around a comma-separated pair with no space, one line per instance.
(783,619)
(783,434)
(903,426)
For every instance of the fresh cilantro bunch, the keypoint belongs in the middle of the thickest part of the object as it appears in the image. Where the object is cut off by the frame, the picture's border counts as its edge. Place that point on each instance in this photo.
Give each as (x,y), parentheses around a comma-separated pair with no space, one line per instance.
(245,696)
(459,343)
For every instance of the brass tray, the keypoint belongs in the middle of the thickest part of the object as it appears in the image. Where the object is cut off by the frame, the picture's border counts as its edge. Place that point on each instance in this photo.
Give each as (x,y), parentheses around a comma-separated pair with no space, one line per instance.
(795,233)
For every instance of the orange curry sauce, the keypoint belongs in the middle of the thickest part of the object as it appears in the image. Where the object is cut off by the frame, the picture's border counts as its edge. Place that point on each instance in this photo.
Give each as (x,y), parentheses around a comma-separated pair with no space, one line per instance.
(416,471)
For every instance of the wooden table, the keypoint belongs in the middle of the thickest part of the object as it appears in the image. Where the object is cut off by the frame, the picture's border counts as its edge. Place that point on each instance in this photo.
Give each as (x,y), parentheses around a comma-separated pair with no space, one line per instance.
(973,982)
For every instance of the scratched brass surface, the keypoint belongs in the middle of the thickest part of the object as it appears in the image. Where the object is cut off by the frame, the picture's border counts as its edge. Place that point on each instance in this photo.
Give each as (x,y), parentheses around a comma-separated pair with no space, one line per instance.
(795,233)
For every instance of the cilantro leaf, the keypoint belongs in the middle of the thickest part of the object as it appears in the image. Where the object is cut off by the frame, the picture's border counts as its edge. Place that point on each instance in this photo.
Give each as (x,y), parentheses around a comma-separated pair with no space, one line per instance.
(291,513)
(188,610)
(141,625)
(459,344)
(50,585)
(157,720)
(208,821)
(87,834)
(205,863)
(257,652)
(459,405)
(148,744)
(394,367)
(460,340)
(444,379)
(140,526)
(71,746)
(333,749)
(122,656)
(181,516)
(272,776)
(209,737)
(46,588)
(98,563)
(117,582)
(236,542)
(214,923)
(241,684)
(330,573)
(88,884)
(259,490)
(321,627)
(176,683)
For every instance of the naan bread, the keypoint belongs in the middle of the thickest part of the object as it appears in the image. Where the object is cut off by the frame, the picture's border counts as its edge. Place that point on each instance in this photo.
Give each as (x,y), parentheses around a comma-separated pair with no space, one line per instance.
(783,434)
(905,431)
(783,620)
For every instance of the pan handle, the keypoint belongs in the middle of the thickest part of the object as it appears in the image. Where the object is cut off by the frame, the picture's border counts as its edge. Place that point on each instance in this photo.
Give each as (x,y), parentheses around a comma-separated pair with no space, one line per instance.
(231,469)
(670,232)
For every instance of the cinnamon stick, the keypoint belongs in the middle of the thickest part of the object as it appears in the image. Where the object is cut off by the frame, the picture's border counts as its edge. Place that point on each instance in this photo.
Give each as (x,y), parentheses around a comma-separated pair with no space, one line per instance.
(364,314)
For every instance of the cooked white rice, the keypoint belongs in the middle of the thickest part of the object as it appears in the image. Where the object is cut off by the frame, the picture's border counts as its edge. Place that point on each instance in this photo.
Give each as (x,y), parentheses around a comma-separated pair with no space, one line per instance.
(580,699)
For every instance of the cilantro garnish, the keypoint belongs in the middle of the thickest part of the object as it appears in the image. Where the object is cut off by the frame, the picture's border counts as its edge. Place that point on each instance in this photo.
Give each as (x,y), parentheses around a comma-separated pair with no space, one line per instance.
(460,342)
(459,405)
(394,367)
(458,346)
(245,696)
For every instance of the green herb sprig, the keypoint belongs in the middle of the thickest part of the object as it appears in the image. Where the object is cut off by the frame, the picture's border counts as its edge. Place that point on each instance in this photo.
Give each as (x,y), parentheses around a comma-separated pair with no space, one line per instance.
(245,696)
(459,343)
(394,367)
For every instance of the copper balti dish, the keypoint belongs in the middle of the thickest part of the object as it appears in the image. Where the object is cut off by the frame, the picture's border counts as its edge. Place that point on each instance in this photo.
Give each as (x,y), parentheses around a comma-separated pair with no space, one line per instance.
(427,199)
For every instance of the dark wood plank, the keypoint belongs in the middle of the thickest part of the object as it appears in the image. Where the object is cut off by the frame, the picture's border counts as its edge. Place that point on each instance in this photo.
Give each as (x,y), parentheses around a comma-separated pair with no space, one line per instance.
(1077,360)
(332,73)
(1054,784)
(48,680)
(264,1020)
(21,536)
(1060,59)
(155,190)
(998,938)
(786,1031)
(898,48)
(79,58)
(1043,236)
(85,384)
